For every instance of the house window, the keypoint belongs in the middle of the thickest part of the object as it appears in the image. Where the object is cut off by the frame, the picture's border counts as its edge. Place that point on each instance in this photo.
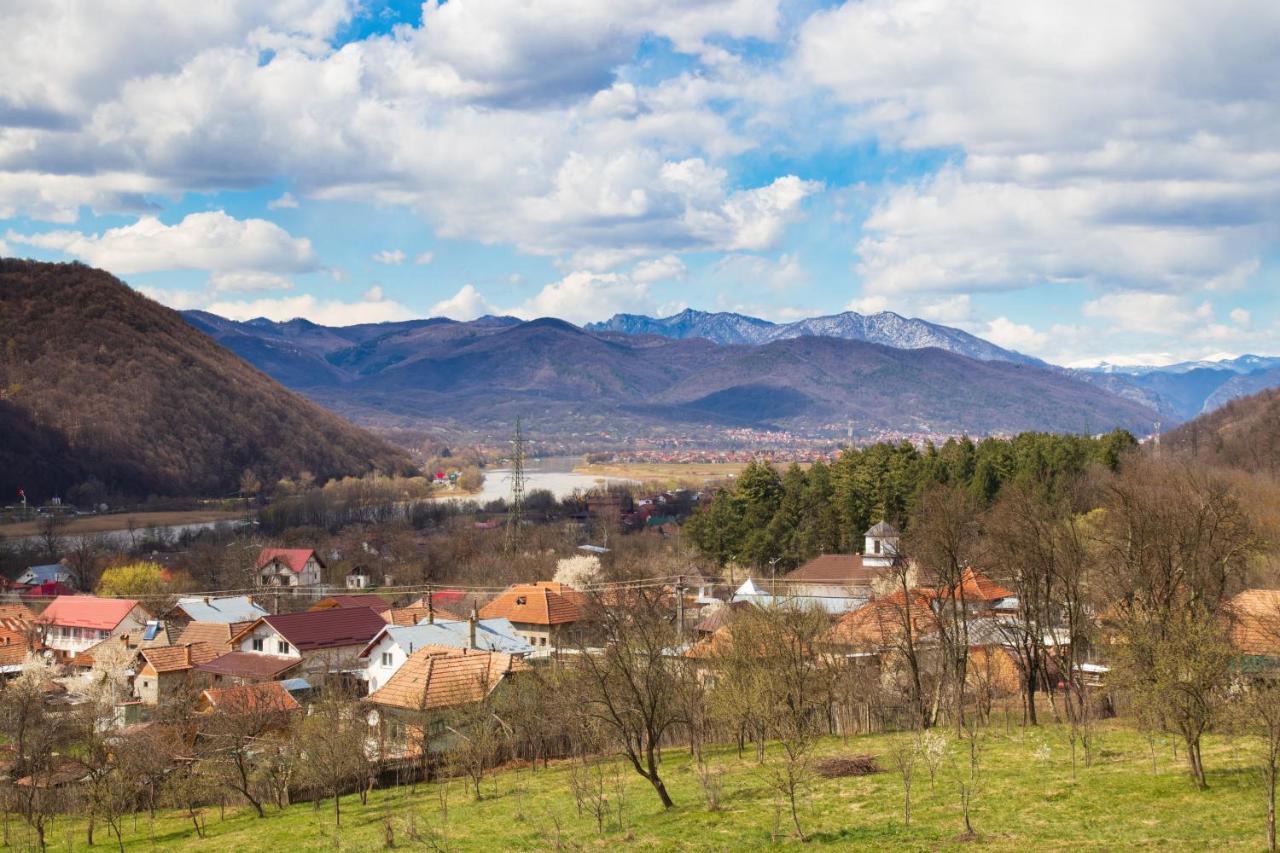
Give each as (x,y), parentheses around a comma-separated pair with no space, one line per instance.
(282,647)
(386,658)
(258,644)
(877,546)
(519,599)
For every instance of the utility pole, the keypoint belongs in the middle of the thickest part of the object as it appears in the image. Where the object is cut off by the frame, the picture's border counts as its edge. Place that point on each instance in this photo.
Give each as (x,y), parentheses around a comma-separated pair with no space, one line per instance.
(515,516)
(680,588)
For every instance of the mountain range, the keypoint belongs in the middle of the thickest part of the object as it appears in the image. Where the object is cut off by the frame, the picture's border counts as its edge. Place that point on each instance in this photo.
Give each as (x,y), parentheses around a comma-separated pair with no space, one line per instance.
(105,393)
(476,376)
(886,328)
(1177,392)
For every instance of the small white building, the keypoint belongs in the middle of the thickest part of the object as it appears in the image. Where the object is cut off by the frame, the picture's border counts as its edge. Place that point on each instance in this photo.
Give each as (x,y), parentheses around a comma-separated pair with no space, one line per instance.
(358,578)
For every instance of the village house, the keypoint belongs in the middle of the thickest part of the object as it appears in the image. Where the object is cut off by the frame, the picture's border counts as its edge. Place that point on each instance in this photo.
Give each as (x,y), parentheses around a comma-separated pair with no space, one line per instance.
(359,578)
(388,651)
(268,697)
(167,670)
(226,610)
(47,573)
(414,705)
(216,634)
(325,641)
(543,613)
(1253,621)
(288,567)
(238,668)
(73,623)
(18,638)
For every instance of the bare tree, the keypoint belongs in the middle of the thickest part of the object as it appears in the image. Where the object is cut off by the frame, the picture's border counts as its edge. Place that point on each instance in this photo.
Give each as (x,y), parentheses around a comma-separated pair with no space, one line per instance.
(334,742)
(631,686)
(943,540)
(1175,543)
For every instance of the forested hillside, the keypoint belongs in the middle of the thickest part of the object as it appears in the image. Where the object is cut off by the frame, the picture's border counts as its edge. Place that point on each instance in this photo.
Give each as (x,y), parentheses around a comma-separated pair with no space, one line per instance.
(794,515)
(106,393)
(1244,434)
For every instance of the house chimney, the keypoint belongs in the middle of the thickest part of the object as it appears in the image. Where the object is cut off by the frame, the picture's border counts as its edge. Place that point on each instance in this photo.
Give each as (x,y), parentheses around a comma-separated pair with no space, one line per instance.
(471,625)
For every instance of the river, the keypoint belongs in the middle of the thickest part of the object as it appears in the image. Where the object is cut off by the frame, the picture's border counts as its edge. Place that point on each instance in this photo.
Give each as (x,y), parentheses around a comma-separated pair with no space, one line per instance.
(555,474)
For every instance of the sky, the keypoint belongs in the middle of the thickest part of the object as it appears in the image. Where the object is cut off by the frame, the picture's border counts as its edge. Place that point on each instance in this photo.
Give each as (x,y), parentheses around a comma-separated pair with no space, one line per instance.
(1084,181)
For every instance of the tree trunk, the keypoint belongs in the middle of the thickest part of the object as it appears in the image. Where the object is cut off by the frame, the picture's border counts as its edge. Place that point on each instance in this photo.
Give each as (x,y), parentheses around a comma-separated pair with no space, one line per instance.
(1271,806)
(337,809)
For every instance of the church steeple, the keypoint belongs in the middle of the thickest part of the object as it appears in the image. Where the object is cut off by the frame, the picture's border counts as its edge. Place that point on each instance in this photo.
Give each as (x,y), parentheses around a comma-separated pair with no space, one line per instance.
(880,544)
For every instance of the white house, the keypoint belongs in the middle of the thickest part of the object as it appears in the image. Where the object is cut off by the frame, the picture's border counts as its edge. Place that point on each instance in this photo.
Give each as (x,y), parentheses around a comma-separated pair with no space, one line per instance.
(292,567)
(324,640)
(50,573)
(388,651)
(73,623)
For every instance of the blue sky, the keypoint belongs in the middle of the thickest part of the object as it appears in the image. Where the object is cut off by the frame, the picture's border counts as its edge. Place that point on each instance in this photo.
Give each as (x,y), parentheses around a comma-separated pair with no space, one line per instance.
(1082,182)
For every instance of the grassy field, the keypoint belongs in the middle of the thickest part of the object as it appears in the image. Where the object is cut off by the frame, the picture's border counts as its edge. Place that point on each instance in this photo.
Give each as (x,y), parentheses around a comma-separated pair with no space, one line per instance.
(1026,800)
(664,471)
(123,521)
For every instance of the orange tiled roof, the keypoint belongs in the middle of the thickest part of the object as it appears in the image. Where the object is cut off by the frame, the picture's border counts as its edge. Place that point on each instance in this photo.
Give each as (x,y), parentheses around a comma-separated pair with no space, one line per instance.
(978,587)
(1255,621)
(216,634)
(251,698)
(880,622)
(178,658)
(437,677)
(407,616)
(541,603)
(19,612)
(15,643)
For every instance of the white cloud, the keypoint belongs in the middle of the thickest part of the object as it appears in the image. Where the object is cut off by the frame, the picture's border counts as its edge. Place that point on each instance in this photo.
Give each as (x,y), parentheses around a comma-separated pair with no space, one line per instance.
(248,281)
(424,258)
(204,241)
(466,304)
(1015,336)
(328,312)
(584,297)
(374,294)
(658,269)
(1145,157)
(390,257)
(285,201)
(1241,317)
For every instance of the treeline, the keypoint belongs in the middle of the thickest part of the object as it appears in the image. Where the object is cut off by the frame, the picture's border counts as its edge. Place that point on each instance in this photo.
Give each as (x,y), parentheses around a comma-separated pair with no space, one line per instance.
(792,516)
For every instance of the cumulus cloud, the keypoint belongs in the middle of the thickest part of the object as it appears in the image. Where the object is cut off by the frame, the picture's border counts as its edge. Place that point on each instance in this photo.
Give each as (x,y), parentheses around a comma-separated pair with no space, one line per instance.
(205,241)
(466,304)
(424,258)
(584,297)
(1136,162)
(390,257)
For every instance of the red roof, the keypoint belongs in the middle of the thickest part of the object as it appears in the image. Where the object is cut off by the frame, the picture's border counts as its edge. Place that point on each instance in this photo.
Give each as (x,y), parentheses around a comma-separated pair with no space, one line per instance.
(294,558)
(86,611)
(51,589)
(250,665)
(326,629)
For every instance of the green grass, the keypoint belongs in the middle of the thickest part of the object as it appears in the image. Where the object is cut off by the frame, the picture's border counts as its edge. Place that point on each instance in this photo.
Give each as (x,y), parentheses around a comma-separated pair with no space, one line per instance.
(1027,800)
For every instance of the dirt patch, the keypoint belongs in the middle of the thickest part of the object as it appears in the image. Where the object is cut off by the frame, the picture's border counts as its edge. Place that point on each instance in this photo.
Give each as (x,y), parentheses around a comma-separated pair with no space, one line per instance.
(847,765)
